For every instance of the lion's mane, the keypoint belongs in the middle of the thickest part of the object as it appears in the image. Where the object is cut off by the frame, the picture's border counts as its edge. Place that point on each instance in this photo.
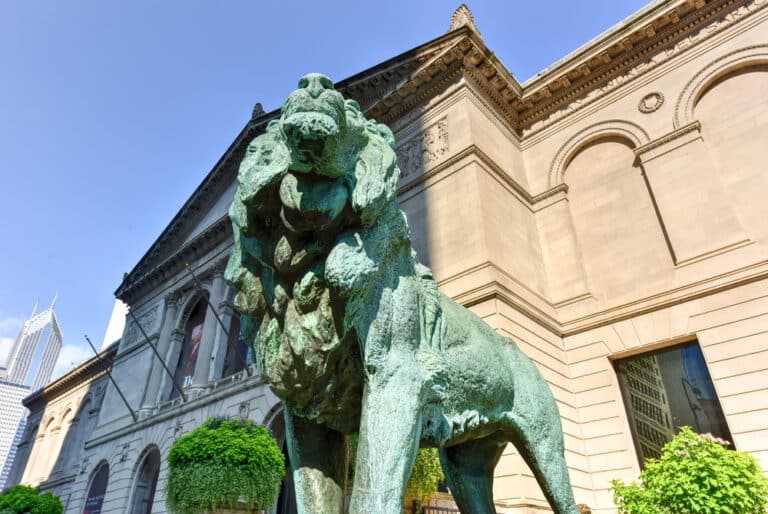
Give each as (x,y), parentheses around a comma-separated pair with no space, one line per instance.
(300,291)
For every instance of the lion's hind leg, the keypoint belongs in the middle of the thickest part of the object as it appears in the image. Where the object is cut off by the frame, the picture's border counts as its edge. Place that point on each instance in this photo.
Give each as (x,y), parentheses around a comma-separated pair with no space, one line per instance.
(468,469)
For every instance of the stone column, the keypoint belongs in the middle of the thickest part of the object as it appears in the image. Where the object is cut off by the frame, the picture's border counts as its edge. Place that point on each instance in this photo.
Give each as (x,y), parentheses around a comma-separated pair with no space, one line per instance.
(220,345)
(210,328)
(175,341)
(163,343)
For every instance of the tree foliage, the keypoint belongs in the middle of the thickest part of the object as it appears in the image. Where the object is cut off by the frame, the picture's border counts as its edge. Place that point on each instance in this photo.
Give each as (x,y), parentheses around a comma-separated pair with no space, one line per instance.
(425,477)
(22,499)
(224,464)
(696,474)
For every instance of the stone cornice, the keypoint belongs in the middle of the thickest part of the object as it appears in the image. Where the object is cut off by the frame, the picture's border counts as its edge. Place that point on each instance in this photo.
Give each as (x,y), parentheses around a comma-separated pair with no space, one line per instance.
(675,134)
(400,85)
(84,373)
(677,35)
(216,233)
(222,174)
(473,151)
(609,61)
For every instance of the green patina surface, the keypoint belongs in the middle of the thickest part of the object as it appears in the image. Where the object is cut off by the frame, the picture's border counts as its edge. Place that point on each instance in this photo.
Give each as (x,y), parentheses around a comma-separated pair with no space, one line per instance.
(352,334)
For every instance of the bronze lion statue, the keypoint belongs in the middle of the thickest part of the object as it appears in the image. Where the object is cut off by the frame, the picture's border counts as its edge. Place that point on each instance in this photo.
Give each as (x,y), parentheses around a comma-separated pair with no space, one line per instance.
(352,334)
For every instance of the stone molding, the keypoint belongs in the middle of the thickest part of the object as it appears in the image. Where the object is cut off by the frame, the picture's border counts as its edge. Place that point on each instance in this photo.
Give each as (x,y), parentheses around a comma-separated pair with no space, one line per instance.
(177,335)
(86,372)
(172,298)
(681,33)
(211,393)
(621,128)
(612,62)
(218,232)
(651,102)
(474,151)
(701,81)
(641,151)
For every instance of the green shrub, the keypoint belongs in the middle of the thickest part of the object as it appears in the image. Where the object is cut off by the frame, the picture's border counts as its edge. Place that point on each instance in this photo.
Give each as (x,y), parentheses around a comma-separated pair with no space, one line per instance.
(696,474)
(425,477)
(22,499)
(223,464)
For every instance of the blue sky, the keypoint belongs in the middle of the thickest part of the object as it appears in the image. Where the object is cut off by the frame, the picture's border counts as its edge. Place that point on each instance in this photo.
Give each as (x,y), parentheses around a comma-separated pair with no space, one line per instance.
(111,113)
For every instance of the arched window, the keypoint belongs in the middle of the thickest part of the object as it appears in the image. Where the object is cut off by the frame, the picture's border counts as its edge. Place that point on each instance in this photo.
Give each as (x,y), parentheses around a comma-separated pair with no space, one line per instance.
(190,347)
(97,489)
(238,353)
(146,483)
(286,500)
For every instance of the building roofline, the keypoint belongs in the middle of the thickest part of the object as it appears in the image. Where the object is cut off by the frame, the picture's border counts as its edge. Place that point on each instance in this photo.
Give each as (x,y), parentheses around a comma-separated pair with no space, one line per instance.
(644,14)
(96,364)
(402,82)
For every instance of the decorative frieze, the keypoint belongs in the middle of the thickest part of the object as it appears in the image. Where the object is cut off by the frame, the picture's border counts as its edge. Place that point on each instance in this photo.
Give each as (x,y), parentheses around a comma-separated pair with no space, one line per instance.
(147,321)
(652,62)
(424,149)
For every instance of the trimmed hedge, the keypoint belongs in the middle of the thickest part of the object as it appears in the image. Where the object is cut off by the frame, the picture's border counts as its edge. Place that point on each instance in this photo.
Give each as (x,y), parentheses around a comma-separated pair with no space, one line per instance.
(22,499)
(224,464)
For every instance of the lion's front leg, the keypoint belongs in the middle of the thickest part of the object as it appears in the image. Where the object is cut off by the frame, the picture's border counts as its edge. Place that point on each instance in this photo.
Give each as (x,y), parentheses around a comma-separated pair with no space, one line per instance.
(389,439)
(319,461)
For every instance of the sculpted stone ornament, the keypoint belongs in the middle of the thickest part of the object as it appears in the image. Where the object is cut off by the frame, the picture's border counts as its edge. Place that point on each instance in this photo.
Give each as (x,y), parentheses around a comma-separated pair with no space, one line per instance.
(352,334)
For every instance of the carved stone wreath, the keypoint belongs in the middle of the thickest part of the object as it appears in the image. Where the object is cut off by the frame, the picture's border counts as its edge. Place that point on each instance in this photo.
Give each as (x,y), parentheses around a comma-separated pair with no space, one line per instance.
(650,102)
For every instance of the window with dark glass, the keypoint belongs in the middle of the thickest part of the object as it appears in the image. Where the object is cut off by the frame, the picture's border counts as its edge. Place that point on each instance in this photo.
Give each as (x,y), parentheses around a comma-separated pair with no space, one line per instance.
(97,489)
(239,354)
(146,483)
(666,390)
(190,347)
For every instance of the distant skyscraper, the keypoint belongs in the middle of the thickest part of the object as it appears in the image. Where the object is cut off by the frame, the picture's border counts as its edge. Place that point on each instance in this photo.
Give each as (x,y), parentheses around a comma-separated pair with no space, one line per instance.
(13,417)
(35,351)
(30,366)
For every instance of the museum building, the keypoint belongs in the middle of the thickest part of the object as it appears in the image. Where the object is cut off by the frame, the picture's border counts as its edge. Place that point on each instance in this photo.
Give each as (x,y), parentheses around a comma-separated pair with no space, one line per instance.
(608,215)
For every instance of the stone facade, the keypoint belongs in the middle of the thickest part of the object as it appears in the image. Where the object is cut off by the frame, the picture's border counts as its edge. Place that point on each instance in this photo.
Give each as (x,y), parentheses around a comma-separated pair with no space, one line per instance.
(610,207)
(62,416)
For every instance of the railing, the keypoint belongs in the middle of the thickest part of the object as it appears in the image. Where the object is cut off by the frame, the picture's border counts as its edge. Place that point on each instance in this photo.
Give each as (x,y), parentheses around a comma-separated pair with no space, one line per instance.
(431,509)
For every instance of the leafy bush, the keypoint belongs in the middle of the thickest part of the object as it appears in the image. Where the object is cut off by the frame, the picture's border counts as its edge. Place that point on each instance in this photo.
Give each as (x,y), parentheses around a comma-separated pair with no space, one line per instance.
(425,477)
(222,464)
(696,474)
(21,499)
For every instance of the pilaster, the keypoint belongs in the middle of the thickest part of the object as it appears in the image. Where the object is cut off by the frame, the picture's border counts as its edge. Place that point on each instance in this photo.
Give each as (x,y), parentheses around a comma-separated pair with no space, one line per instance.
(175,340)
(210,328)
(221,344)
(694,207)
(163,344)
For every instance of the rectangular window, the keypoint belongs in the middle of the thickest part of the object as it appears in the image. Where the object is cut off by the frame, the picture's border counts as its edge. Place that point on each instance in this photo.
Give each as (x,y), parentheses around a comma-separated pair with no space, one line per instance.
(666,390)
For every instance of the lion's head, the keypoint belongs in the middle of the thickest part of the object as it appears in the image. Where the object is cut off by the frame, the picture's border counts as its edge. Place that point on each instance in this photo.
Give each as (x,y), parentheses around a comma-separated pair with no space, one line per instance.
(319,180)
